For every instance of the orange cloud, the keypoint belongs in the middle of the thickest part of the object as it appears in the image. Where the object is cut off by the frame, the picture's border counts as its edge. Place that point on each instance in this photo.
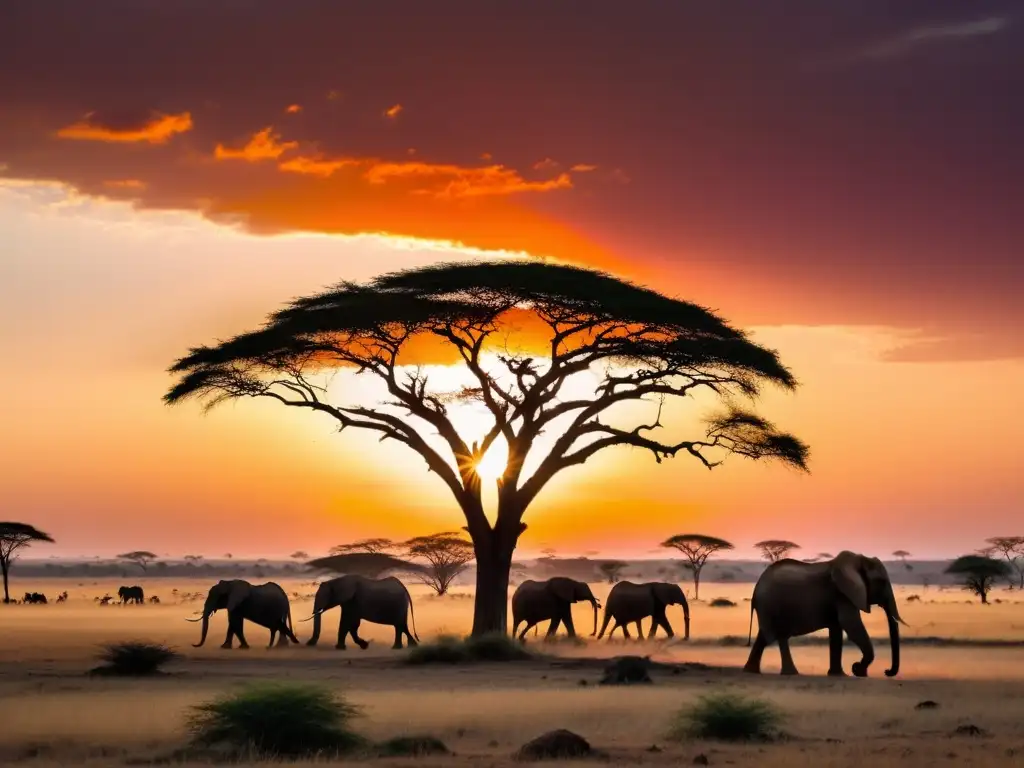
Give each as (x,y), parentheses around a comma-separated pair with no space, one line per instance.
(547,164)
(264,145)
(583,168)
(393,111)
(486,156)
(125,184)
(292,109)
(445,180)
(313,166)
(158,130)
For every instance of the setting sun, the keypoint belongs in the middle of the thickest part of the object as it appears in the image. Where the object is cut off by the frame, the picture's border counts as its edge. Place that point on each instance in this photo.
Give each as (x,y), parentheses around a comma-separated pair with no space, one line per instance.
(492,465)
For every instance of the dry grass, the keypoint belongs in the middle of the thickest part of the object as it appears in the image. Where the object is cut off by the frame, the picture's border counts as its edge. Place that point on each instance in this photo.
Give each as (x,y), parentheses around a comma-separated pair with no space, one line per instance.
(51,714)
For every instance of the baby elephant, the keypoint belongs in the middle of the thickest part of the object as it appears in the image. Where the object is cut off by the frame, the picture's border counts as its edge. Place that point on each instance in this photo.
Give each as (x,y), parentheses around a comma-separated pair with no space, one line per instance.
(628,603)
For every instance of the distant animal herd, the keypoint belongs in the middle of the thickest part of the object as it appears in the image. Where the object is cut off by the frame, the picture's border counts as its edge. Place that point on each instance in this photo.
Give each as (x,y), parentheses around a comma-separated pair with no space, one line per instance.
(791,598)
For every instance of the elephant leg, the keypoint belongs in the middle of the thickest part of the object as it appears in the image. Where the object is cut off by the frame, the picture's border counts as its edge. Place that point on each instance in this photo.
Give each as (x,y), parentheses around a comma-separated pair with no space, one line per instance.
(410,641)
(661,620)
(625,631)
(229,638)
(354,631)
(849,619)
(567,619)
(342,632)
(398,639)
(788,667)
(240,634)
(273,634)
(552,628)
(522,635)
(282,638)
(835,651)
(640,631)
(756,652)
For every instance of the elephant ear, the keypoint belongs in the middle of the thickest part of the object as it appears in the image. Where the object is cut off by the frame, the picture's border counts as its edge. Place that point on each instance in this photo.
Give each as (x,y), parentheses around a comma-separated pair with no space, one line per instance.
(848,576)
(345,590)
(664,593)
(239,592)
(563,589)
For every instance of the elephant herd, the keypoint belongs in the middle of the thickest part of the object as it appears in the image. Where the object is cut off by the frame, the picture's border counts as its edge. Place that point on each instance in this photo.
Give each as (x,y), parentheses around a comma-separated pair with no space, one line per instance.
(791,598)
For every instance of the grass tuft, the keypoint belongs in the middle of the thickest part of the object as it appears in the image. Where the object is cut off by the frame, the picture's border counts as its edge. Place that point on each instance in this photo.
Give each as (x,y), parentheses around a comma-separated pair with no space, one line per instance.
(277,720)
(448,649)
(722,602)
(412,746)
(727,716)
(134,659)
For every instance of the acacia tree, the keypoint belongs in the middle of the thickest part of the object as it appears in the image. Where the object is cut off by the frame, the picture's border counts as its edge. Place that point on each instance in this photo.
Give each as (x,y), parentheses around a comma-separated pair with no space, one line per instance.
(141,558)
(979,573)
(774,550)
(637,344)
(611,569)
(1012,550)
(696,548)
(370,546)
(902,554)
(14,537)
(447,555)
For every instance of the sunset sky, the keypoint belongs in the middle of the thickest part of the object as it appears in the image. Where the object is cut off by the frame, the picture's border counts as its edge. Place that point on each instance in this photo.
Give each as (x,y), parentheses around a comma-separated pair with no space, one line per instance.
(844,180)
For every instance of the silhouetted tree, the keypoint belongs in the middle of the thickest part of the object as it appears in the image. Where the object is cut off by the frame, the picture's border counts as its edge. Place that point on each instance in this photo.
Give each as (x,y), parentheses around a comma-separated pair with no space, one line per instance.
(1012,550)
(902,554)
(774,550)
(637,342)
(140,557)
(370,546)
(696,548)
(611,569)
(447,555)
(299,555)
(370,564)
(978,573)
(13,538)
(193,558)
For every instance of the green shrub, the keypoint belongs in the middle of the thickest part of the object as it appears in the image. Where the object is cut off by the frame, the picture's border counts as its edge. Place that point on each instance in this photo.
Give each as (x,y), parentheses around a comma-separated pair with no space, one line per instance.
(727,716)
(412,746)
(448,649)
(277,720)
(134,659)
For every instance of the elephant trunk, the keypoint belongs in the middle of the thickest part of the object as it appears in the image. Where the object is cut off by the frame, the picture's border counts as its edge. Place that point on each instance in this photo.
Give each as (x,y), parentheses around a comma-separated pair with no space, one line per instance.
(593,602)
(893,616)
(206,627)
(320,604)
(686,620)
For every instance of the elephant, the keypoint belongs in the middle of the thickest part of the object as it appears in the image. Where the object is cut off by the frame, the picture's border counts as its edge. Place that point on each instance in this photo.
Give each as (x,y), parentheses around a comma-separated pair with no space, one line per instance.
(796,598)
(263,604)
(629,602)
(537,601)
(131,595)
(378,601)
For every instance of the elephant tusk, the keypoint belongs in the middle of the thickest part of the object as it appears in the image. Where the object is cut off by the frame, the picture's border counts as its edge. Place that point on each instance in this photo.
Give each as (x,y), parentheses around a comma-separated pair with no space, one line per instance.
(199,619)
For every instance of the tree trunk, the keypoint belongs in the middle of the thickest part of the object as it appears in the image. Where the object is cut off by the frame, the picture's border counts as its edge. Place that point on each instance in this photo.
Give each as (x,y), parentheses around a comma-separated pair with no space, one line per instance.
(696,584)
(493,564)
(7,595)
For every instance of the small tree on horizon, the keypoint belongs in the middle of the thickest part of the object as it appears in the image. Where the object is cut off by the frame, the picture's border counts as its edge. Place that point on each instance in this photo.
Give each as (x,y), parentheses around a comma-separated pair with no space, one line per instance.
(14,537)
(141,558)
(299,555)
(369,546)
(518,331)
(696,548)
(611,569)
(774,550)
(902,555)
(979,573)
(447,555)
(1012,550)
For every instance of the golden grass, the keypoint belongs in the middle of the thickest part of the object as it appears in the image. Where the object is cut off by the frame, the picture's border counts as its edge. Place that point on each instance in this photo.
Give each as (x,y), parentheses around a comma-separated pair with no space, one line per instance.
(485,712)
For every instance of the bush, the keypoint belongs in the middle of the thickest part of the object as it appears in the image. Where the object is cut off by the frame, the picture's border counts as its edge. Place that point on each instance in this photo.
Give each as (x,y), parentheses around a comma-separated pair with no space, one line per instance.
(412,746)
(722,602)
(134,659)
(276,720)
(727,717)
(448,649)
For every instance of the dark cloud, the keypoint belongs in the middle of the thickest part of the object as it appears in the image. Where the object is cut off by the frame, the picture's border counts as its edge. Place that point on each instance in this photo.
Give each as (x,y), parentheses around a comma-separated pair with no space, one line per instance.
(779,191)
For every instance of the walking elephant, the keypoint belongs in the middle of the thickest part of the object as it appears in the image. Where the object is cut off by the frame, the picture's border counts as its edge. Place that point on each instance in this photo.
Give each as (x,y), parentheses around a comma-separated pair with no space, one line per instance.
(628,603)
(131,595)
(263,604)
(378,601)
(796,598)
(551,600)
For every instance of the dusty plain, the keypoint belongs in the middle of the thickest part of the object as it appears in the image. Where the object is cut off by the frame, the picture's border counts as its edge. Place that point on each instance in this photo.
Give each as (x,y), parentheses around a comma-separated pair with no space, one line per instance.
(966,657)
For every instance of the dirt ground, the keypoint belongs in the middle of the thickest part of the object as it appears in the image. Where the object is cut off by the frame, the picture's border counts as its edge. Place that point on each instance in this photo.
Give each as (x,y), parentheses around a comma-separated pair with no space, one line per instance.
(52,714)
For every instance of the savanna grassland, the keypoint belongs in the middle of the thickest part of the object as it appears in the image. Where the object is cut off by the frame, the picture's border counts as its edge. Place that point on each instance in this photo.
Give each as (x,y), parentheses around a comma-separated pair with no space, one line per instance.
(966,657)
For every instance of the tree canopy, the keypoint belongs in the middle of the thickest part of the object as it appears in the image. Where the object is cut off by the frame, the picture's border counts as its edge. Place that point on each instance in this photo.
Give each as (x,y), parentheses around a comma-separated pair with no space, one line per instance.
(979,573)
(696,548)
(14,537)
(774,550)
(639,344)
(447,555)
(373,565)
(1012,550)
(139,557)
